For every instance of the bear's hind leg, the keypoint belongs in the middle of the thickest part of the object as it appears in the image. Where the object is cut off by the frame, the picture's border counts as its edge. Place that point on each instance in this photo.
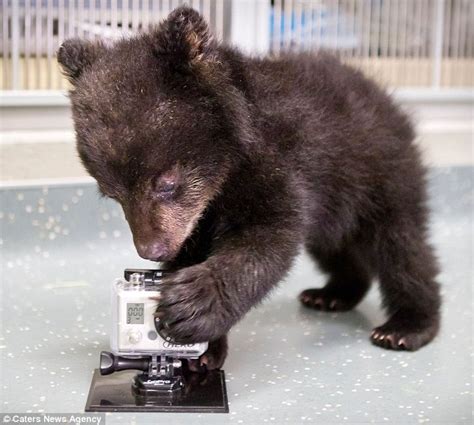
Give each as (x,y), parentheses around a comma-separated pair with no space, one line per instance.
(407,271)
(349,279)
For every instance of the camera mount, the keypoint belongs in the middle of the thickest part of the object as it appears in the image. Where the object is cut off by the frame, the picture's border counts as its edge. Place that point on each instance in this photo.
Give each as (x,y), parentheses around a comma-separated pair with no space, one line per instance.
(154,384)
(161,374)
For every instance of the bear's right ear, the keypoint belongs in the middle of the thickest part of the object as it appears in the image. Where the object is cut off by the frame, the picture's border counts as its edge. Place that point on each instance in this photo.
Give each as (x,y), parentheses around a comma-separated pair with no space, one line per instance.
(75,55)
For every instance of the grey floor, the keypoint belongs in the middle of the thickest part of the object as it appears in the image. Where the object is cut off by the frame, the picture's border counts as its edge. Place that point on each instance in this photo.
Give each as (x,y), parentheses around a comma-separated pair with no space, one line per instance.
(62,247)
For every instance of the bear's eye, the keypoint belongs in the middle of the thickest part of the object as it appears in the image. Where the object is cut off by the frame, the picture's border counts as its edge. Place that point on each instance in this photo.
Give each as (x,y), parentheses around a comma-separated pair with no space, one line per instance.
(165,189)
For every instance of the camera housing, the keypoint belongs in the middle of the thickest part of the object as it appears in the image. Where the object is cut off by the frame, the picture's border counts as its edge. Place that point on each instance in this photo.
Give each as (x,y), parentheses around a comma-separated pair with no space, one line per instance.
(136,330)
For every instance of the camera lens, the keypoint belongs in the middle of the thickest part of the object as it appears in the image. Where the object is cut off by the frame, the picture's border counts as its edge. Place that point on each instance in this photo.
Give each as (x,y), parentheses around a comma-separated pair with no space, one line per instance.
(161,329)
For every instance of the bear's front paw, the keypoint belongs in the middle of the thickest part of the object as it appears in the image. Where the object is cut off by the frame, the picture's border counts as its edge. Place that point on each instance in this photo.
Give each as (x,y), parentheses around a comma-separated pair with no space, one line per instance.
(190,306)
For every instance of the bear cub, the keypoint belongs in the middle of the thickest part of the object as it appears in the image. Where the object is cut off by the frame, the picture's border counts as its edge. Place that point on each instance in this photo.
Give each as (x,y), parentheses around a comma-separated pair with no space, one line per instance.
(227,165)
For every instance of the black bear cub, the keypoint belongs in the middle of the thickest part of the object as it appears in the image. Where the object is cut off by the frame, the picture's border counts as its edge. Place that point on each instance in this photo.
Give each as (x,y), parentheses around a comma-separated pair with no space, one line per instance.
(226,165)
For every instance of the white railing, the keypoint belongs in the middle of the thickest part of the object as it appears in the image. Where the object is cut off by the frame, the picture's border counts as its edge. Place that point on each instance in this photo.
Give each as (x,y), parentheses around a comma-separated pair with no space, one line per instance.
(422,43)
(32,31)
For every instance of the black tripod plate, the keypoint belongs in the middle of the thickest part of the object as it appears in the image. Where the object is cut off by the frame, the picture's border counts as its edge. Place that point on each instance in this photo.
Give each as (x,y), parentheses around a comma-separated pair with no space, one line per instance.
(201,394)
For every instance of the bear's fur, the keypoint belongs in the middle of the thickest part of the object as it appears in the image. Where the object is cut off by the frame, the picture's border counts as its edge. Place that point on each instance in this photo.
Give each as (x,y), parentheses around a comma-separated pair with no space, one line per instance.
(226,166)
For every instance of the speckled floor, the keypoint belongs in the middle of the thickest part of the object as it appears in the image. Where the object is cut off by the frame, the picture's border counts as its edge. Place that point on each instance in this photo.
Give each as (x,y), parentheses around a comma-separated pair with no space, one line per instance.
(63,246)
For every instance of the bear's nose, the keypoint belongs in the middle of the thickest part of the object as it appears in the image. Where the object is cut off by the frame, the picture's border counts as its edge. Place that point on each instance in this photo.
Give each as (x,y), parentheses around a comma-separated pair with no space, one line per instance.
(154,251)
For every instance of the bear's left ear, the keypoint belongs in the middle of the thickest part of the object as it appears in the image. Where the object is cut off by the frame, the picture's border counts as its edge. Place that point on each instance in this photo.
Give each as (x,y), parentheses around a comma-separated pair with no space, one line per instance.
(75,55)
(184,40)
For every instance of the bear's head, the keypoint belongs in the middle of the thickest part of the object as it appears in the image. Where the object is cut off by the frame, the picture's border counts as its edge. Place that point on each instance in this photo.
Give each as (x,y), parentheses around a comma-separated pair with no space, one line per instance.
(158,124)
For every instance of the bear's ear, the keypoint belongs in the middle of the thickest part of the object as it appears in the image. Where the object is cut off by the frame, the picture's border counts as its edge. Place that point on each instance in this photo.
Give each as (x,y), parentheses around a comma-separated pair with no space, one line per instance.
(75,55)
(184,40)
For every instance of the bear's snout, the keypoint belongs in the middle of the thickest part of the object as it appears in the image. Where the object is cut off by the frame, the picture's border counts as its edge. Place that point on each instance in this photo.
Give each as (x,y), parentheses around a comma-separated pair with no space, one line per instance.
(155,251)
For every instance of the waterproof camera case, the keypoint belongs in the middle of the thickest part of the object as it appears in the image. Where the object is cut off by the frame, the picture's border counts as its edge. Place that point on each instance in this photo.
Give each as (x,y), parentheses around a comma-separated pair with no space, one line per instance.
(136,330)
(146,372)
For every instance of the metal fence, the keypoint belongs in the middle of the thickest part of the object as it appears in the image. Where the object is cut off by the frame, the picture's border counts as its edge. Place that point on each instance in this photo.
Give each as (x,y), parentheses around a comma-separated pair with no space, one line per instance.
(399,42)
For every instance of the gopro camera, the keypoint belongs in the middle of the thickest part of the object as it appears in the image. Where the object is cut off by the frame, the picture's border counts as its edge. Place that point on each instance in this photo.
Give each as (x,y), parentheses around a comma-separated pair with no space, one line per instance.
(136,330)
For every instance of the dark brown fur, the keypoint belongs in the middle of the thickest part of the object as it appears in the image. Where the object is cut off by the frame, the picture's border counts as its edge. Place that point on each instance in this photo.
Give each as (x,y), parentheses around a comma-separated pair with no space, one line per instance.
(227,165)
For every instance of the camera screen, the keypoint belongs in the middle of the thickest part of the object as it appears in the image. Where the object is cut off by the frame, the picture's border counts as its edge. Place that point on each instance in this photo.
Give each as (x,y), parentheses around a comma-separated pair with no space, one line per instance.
(135,314)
